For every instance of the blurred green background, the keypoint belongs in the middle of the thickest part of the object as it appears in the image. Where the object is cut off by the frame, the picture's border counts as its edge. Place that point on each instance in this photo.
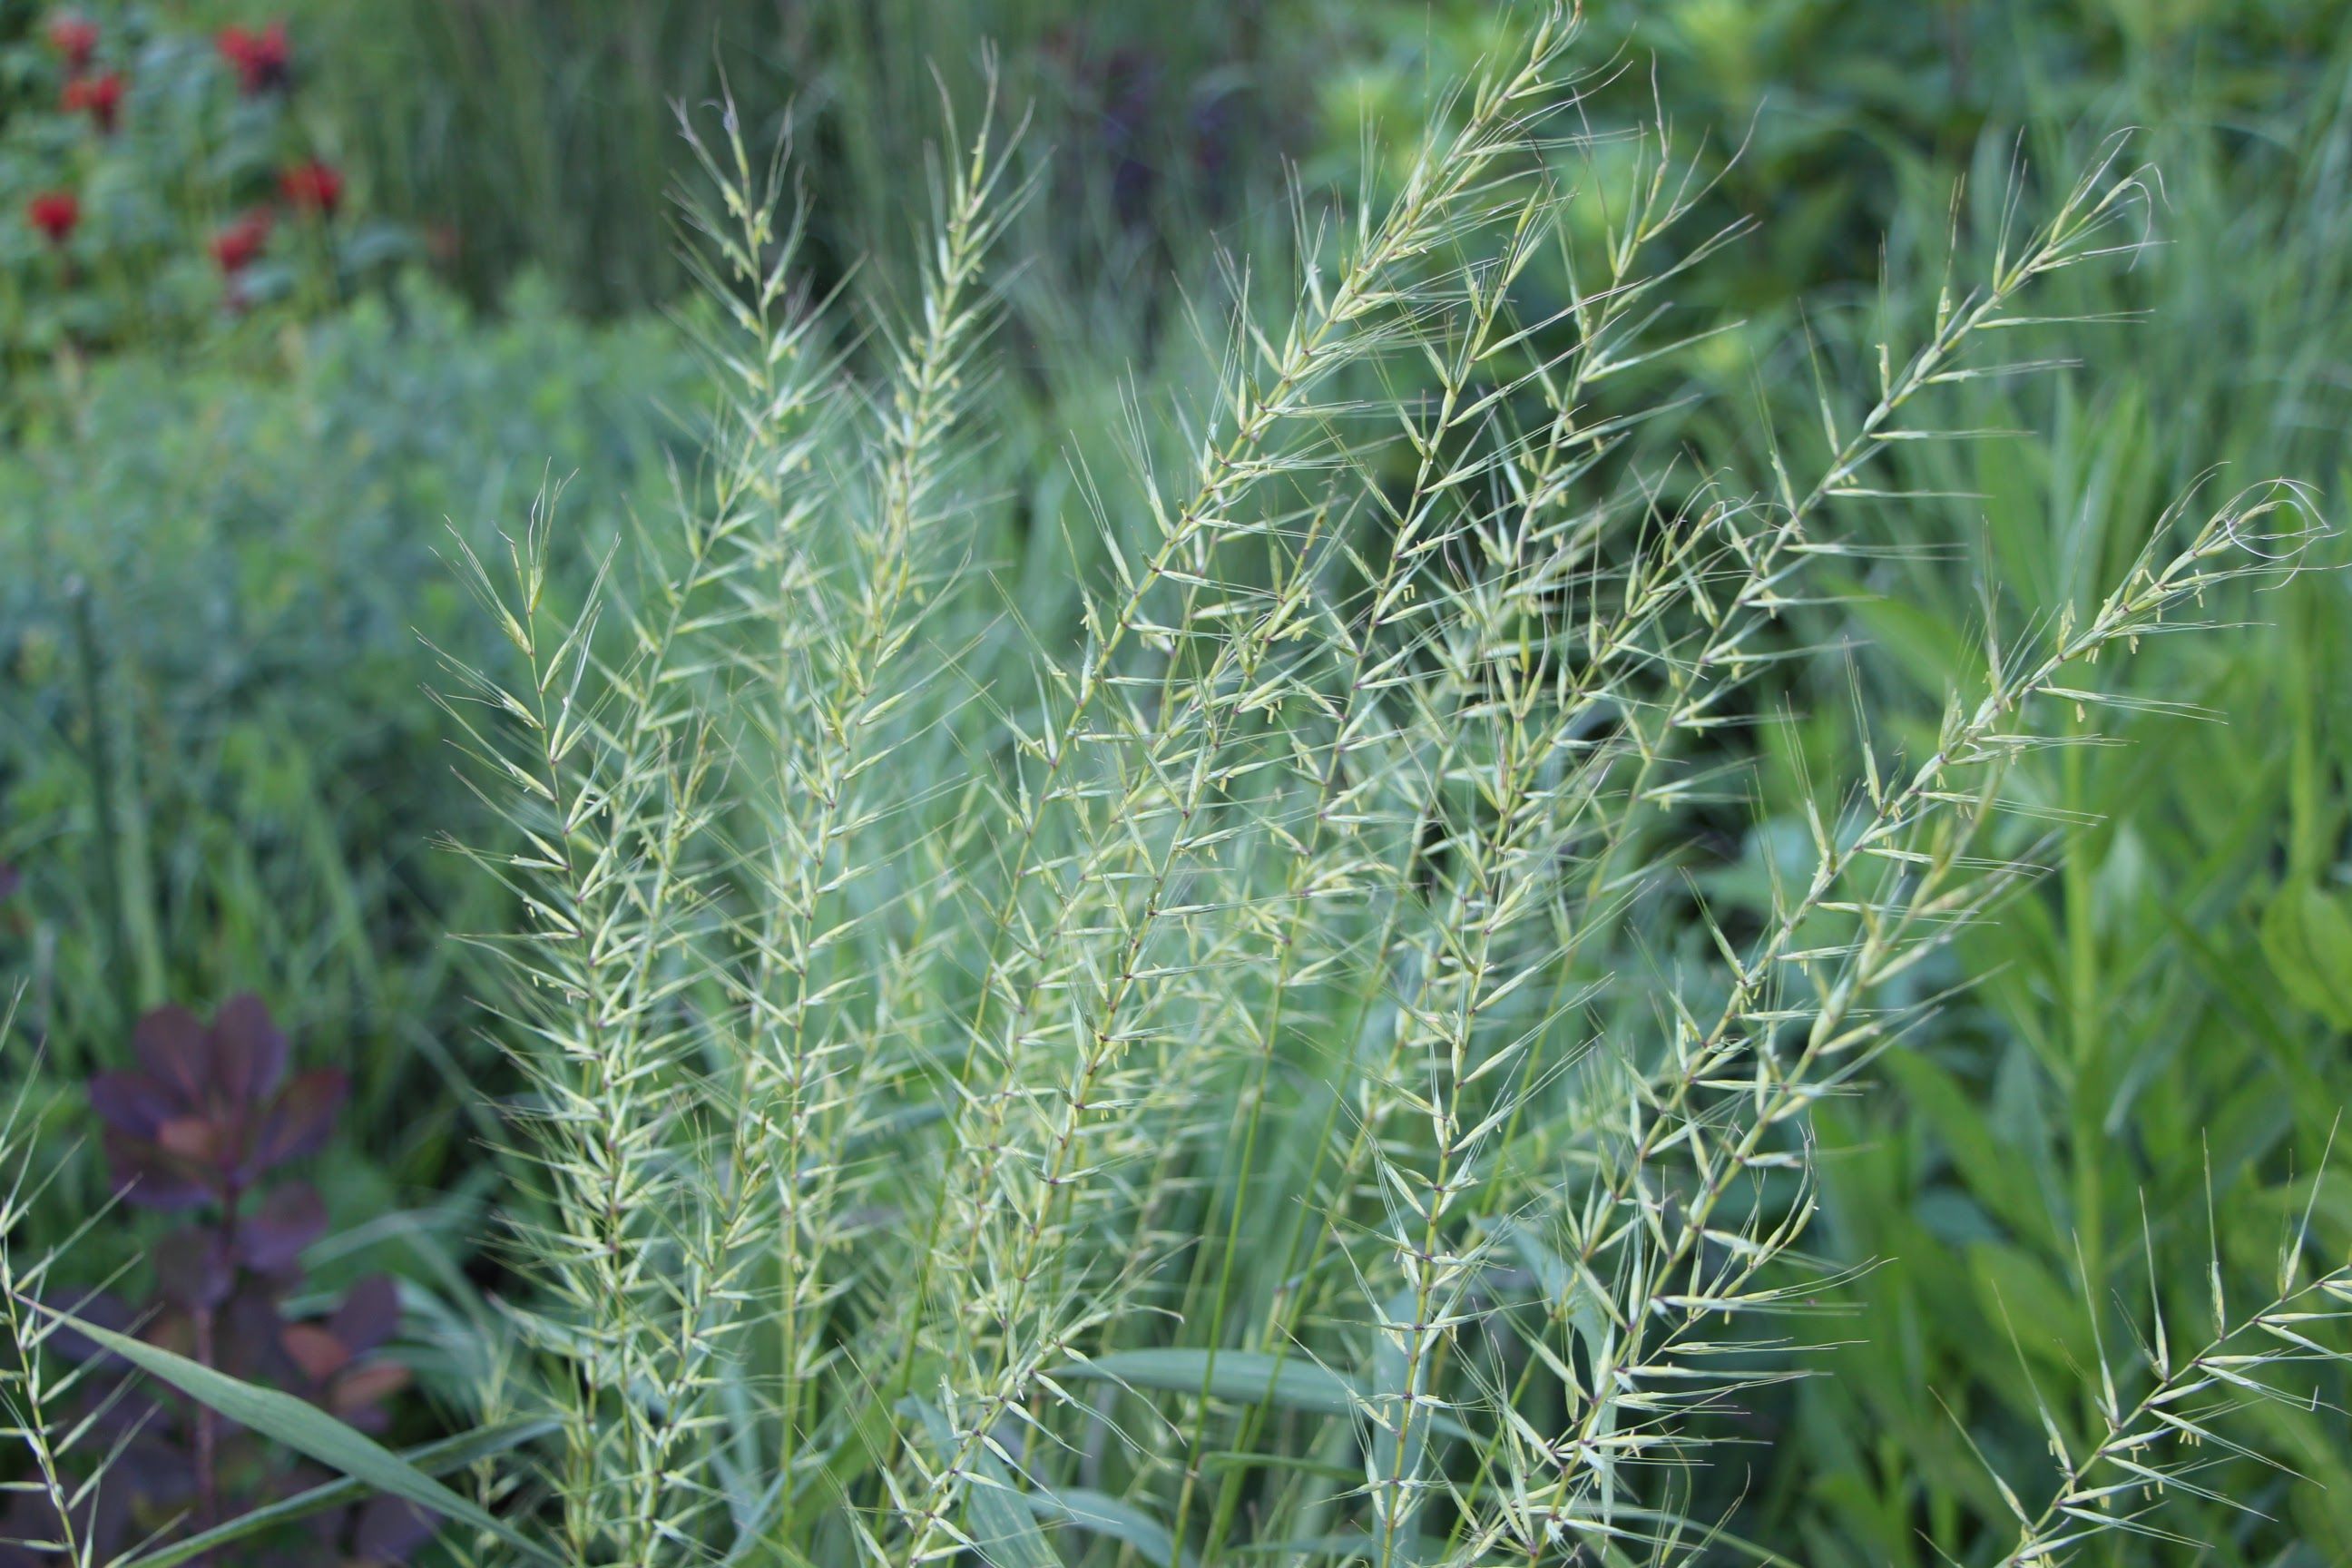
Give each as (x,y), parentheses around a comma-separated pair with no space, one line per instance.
(226,484)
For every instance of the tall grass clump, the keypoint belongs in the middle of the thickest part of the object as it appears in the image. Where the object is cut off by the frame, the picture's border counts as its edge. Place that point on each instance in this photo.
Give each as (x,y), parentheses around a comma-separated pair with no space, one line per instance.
(1253,1074)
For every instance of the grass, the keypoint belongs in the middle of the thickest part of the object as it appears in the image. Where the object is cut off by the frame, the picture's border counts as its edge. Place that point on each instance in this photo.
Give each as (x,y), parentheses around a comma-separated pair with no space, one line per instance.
(1348,831)
(2133,1041)
(1422,937)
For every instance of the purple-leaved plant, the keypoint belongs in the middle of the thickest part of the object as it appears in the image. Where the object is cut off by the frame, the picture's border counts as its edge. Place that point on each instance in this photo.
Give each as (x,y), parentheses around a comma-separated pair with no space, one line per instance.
(197,1129)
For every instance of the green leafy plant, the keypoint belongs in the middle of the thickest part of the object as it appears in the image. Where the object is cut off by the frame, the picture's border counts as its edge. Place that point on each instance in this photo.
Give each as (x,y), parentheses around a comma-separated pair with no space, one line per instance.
(1146,110)
(1301,1058)
(217,768)
(164,186)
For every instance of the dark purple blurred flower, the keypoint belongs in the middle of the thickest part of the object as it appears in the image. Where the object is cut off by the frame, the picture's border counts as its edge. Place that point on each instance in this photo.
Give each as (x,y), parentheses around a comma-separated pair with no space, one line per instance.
(213,1111)
(207,1114)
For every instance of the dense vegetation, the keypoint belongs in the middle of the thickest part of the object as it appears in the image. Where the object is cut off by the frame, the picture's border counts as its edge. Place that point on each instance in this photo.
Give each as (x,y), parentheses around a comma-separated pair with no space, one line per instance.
(1343,784)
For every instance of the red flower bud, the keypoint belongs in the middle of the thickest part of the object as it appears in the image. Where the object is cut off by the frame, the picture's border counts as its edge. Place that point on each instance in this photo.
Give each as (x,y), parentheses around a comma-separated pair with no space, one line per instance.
(75,38)
(313,186)
(236,246)
(99,96)
(55,214)
(263,59)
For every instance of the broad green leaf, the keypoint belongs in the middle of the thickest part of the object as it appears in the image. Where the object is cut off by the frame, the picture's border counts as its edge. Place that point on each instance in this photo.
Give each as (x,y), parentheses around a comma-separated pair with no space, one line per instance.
(2307,937)
(1235,1460)
(1008,1540)
(305,1428)
(2013,1287)
(431,1458)
(1351,1548)
(1561,1292)
(2001,1176)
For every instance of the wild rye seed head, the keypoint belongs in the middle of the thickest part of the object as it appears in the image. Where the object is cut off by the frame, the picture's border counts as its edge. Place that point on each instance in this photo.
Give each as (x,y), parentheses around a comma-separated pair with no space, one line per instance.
(898,1114)
(1253,1066)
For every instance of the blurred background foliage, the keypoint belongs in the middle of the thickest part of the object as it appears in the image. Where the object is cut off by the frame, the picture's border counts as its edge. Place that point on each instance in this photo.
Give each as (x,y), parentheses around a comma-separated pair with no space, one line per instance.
(225,486)
(222,768)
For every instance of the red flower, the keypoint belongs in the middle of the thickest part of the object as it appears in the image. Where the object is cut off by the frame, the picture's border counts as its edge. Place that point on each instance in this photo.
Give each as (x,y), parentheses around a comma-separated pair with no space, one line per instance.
(75,38)
(313,186)
(101,96)
(55,214)
(236,246)
(262,59)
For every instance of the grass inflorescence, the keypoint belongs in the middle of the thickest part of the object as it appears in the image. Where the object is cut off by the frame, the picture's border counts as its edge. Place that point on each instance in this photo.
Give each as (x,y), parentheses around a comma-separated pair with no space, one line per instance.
(1271,1068)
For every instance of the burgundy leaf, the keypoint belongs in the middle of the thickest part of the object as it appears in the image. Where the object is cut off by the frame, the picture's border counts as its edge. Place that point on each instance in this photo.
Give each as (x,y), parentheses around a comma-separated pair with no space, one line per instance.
(370,1313)
(199,1139)
(148,1178)
(193,1270)
(248,1333)
(390,1530)
(97,1309)
(171,1046)
(172,1330)
(299,1123)
(288,1220)
(315,1349)
(249,1052)
(358,1394)
(132,1102)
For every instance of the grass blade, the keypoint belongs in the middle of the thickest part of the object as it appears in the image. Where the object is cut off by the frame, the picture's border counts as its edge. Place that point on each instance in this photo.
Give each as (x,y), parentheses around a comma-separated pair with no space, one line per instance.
(305,1428)
(430,1458)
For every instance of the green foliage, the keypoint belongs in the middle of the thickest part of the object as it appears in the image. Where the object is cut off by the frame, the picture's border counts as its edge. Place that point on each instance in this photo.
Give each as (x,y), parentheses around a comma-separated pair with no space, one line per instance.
(2156,1023)
(1318,1060)
(1065,1004)
(1159,117)
(2145,1043)
(219,771)
(196,204)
